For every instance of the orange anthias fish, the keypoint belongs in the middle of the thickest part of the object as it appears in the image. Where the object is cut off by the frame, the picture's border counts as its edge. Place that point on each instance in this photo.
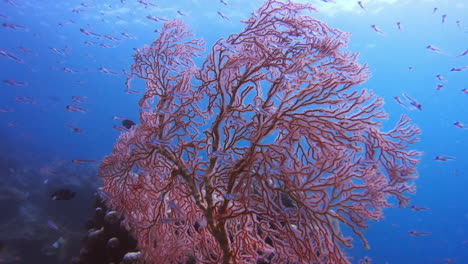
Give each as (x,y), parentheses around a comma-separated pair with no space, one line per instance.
(417,233)
(444,158)
(460,125)
(82,161)
(417,208)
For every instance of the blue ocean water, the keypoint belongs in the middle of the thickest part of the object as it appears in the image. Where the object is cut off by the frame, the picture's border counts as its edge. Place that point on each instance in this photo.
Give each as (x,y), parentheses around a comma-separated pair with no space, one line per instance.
(51,61)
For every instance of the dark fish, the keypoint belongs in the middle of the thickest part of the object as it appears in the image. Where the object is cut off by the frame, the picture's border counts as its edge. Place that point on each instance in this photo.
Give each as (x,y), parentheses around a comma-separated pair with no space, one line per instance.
(63,194)
(127,123)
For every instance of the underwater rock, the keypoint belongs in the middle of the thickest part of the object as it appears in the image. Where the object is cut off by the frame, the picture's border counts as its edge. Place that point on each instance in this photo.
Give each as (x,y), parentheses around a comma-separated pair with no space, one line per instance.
(99,212)
(131,257)
(113,243)
(95,234)
(111,218)
(107,240)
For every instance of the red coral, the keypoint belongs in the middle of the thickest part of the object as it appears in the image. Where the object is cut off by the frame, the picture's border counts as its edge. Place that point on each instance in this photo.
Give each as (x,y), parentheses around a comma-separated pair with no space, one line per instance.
(260,154)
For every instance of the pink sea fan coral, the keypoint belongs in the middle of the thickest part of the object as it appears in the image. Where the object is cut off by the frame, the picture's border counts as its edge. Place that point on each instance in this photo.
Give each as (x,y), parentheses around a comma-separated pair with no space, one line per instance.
(262,153)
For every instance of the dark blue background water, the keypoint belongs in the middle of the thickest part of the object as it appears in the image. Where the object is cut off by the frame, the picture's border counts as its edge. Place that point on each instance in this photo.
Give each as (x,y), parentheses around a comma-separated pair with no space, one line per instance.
(35,136)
